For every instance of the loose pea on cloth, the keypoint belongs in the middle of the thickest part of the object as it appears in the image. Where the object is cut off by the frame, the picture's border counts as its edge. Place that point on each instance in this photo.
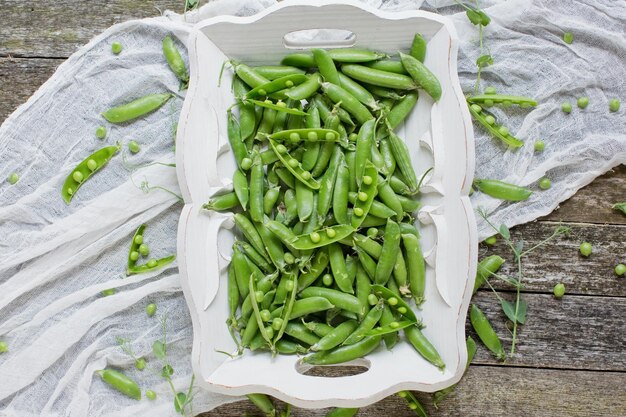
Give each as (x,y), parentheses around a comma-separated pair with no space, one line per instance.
(55,259)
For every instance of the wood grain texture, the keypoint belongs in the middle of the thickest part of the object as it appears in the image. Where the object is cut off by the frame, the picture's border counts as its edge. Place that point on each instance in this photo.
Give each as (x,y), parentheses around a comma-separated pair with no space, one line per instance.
(57,28)
(560,260)
(496,391)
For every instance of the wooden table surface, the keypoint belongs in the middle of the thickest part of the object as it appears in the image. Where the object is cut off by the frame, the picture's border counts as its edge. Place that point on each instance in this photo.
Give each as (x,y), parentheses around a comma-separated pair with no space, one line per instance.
(571,359)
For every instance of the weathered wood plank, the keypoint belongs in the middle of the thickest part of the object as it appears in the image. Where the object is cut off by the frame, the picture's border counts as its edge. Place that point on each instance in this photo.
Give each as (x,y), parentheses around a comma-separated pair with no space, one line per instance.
(560,260)
(496,391)
(57,28)
(576,332)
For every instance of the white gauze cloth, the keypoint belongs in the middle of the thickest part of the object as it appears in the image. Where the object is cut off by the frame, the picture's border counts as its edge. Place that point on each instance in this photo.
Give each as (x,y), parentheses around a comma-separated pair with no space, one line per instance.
(56,259)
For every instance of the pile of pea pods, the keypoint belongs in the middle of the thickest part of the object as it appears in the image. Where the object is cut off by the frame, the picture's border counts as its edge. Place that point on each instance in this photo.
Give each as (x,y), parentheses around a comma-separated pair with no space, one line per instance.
(325,198)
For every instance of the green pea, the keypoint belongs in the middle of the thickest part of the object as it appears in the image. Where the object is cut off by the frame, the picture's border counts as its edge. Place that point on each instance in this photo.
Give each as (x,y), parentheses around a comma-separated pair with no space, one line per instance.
(394,324)
(559,290)
(134,255)
(151,309)
(490,119)
(133,146)
(402,310)
(262,92)
(315,237)
(372,232)
(566,107)
(362,196)
(289,258)
(614,105)
(503,130)
(116,47)
(488,103)
(140,364)
(278,103)
(620,269)
(246,163)
(490,90)
(144,250)
(70,191)
(13,178)
(258,296)
(491,240)
(289,285)
(138,239)
(101,132)
(306,175)
(352,137)
(277,323)
(312,136)
(293,163)
(476,108)
(282,149)
(327,279)
(4,347)
(392,301)
(331,233)
(108,292)
(330,136)
(585,249)
(545,183)
(151,395)
(540,146)
(358,211)
(582,102)
(92,165)
(78,176)
(265,315)
(152,263)
(367,180)
(372,300)
(294,138)
(568,38)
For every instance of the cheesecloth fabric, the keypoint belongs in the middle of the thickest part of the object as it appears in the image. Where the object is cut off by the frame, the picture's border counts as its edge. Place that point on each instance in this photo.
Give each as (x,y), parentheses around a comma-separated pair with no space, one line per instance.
(55,259)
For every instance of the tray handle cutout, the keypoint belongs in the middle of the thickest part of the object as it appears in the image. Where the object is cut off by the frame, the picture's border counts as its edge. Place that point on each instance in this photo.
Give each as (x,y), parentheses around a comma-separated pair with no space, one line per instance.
(319,38)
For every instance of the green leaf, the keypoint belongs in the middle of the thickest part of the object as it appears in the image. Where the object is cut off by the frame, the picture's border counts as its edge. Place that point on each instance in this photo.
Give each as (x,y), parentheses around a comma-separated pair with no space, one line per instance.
(180,401)
(474,16)
(167,371)
(620,206)
(158,348)
(509,309)
(519,246)
(504,232)
(484,61)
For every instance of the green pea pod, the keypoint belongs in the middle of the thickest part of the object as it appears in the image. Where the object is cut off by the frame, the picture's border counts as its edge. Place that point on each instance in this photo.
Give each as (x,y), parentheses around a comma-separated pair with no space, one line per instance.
(418,47)
(388,65)
(233,292)
(174,60)
(121,382)
(341,194)
(353,106)
(151,265)
(416,266)
(263,403)
(269,200)
(355,55)
(391,246)
(488,266)
(388,319)
(403,158)
(400,111)
(398,185)
(339,298)
(363,153)
(312,149)
(390,328)
(300,60)
(300,332)
(270,105)
(320,329)
(378,77)
(388,158)
(273,72)
(133,252)
(85,170)
(485,332)
(326,66)
(367,324)
(279,84)
(336,336)
(327,183)
(285,176)
(338,267)
(490,99)
(440,395)
(237,145)
(284,233)
(422,76)
(136,108)
(291,205)
(423,346)
(248,75)
(288,311)
(272,245)
(257,314)
(242,188)
(266,125)
(251,329)
(242,271)
(384,93)
(389,197)
(294,167)
(409,205)
(373,221)
(363,283)
(250,232)
(287,347)
(317,267)
(377,159)
(254,256)
(222,202)
(344,353)
(306,89)
(367,262)
(358,91)
(247,114)
(502,190)
(305,198)
(281,118)
(413,404)
(488,122)
(309,135)
(323,103)
(398,304)
(313,223)
(322,237)
(351,161)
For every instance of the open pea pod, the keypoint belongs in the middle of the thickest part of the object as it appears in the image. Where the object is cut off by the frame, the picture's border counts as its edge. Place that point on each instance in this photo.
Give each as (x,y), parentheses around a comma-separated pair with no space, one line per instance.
(309,135)
(401,306)
(268,104)
(85,170)
(133,252)
(257,313)
(151,265)
(278,84)
(390,328)
(488,122)
(294,166)
(366,194)
(491,99)
(322,237)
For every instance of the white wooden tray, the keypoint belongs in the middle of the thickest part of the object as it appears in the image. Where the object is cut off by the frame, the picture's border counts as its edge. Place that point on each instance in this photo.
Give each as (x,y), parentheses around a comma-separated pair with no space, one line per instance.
(439,135)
